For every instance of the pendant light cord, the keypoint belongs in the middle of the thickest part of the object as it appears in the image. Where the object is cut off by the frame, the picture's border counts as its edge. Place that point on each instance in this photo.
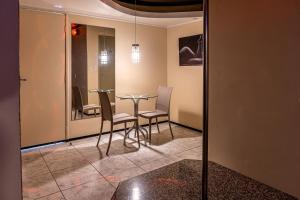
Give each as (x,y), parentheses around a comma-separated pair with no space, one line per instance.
(135,21)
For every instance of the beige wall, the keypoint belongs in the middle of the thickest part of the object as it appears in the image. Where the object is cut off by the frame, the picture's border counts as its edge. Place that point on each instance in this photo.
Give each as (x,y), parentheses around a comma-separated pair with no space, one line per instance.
(254,106)
(187,81)
(42,63)
(10,170)
(143,78)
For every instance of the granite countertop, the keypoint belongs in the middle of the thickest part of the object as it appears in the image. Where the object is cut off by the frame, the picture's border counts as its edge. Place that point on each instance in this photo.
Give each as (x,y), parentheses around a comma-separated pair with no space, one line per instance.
(182,180)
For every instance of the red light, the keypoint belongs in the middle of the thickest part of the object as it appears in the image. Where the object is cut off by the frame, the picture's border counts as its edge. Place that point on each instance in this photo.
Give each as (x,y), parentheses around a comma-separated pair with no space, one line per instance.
(74,32)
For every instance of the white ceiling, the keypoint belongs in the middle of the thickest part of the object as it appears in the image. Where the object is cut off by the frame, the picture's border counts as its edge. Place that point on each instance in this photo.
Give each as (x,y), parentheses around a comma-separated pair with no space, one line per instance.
(99,9)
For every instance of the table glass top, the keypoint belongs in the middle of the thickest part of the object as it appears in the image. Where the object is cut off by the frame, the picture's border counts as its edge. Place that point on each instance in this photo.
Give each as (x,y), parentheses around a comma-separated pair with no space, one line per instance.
(135,96)
(102,90)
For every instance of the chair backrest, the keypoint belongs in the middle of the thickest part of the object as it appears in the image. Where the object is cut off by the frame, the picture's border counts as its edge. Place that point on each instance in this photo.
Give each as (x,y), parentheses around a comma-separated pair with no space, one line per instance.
(106,111)
(163,99)
(77,102)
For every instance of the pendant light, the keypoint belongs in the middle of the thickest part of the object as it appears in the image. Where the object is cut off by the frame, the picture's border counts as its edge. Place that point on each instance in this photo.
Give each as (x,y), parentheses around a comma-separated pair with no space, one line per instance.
(104,54)
(135,51)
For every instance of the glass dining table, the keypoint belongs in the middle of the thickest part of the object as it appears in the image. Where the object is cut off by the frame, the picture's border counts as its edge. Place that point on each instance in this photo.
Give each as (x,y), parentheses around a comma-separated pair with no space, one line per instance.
(135,98)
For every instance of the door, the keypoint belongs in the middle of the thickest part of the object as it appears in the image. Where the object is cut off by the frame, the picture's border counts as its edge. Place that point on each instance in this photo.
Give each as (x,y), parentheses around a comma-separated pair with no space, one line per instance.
(42,76)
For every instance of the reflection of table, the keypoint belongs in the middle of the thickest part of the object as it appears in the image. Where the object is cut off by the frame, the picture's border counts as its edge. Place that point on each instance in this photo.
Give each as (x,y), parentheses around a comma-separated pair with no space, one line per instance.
(136,99)
(102,90)
(108,91)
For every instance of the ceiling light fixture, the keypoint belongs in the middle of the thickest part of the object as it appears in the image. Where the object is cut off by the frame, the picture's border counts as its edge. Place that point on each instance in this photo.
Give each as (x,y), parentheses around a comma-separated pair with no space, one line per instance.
(135,49)
(104,57)
(58,6)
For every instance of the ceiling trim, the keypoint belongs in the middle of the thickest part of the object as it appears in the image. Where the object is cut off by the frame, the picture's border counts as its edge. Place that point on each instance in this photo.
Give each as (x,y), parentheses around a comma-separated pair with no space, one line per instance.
(140,13)
(185,23)
(63,12)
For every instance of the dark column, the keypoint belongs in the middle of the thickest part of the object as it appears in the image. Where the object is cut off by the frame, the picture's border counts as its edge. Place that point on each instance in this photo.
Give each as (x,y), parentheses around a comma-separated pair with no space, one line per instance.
(10,167)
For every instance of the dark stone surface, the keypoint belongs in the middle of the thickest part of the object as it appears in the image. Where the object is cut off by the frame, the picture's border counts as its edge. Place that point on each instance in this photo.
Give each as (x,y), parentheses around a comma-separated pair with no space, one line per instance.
(182,180)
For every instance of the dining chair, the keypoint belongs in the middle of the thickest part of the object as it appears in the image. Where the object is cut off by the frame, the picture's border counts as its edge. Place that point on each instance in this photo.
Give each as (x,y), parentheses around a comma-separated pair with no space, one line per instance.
(78,103)
(162,109)
(107,115)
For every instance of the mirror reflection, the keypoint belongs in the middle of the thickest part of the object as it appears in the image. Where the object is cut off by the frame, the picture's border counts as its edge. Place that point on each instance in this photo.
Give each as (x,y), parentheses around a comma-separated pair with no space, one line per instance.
(93,68)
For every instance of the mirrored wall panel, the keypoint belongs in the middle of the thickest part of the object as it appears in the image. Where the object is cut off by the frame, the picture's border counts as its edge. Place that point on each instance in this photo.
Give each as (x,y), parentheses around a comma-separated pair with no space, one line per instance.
(93,68)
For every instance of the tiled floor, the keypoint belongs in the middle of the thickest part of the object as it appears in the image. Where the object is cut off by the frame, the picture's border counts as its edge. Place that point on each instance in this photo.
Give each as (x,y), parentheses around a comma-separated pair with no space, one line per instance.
(83,171)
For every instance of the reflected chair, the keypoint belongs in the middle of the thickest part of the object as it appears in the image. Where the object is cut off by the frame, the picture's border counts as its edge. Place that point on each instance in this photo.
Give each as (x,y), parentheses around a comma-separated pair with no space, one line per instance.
(78,103)
(107,115)
(162,109)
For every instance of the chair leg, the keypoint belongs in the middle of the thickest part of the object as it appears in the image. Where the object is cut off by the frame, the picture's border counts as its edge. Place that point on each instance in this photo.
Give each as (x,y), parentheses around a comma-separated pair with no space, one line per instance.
(125,133)
(75,114)
(110,137)
(150,121)
(135,132)
(138,133)
(157,125)
(170,128)
(101,128)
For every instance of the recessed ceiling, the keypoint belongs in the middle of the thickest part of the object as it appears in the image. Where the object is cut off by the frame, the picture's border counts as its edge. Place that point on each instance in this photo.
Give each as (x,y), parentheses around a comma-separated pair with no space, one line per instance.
(158,8)
(96,8)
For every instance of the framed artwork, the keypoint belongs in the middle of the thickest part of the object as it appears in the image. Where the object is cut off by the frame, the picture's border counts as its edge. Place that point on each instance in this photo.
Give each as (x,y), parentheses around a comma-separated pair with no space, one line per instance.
(191,50)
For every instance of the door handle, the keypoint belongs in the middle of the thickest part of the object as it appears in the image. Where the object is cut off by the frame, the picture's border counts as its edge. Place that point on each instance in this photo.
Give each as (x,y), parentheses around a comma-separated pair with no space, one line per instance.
(23,79)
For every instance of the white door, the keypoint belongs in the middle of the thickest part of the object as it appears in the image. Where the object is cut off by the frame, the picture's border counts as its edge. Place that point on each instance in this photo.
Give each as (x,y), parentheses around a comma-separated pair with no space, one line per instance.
(42,64)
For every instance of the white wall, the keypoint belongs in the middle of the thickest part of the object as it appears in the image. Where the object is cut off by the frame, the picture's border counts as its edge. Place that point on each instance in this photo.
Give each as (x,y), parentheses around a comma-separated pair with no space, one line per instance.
(187,81)
(254,101)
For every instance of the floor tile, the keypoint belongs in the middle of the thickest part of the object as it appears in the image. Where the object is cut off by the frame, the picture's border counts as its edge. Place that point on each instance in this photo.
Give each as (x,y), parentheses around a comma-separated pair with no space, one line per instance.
(115,136)
(190,154)
(94,190)
(39,186)
(198,150)
(91,152)
(79,167)
(189,142)
(144,155)
(156,164)
(29,156)
(170,148)
(34,168)
(64,159)
(123,174)
(110,165)
(84,140)
(56,196)
(55,148)
(71,177)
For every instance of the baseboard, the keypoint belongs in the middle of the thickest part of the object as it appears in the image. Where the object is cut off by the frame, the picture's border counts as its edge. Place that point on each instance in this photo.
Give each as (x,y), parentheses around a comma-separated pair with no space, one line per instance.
(188,127)
(93,135)
(78,138)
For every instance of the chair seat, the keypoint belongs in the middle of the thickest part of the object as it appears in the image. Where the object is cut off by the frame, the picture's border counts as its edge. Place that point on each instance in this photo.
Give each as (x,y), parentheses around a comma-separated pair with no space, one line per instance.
(122,118)
(120,115)
(91,107)
(152,114)
(144,111)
